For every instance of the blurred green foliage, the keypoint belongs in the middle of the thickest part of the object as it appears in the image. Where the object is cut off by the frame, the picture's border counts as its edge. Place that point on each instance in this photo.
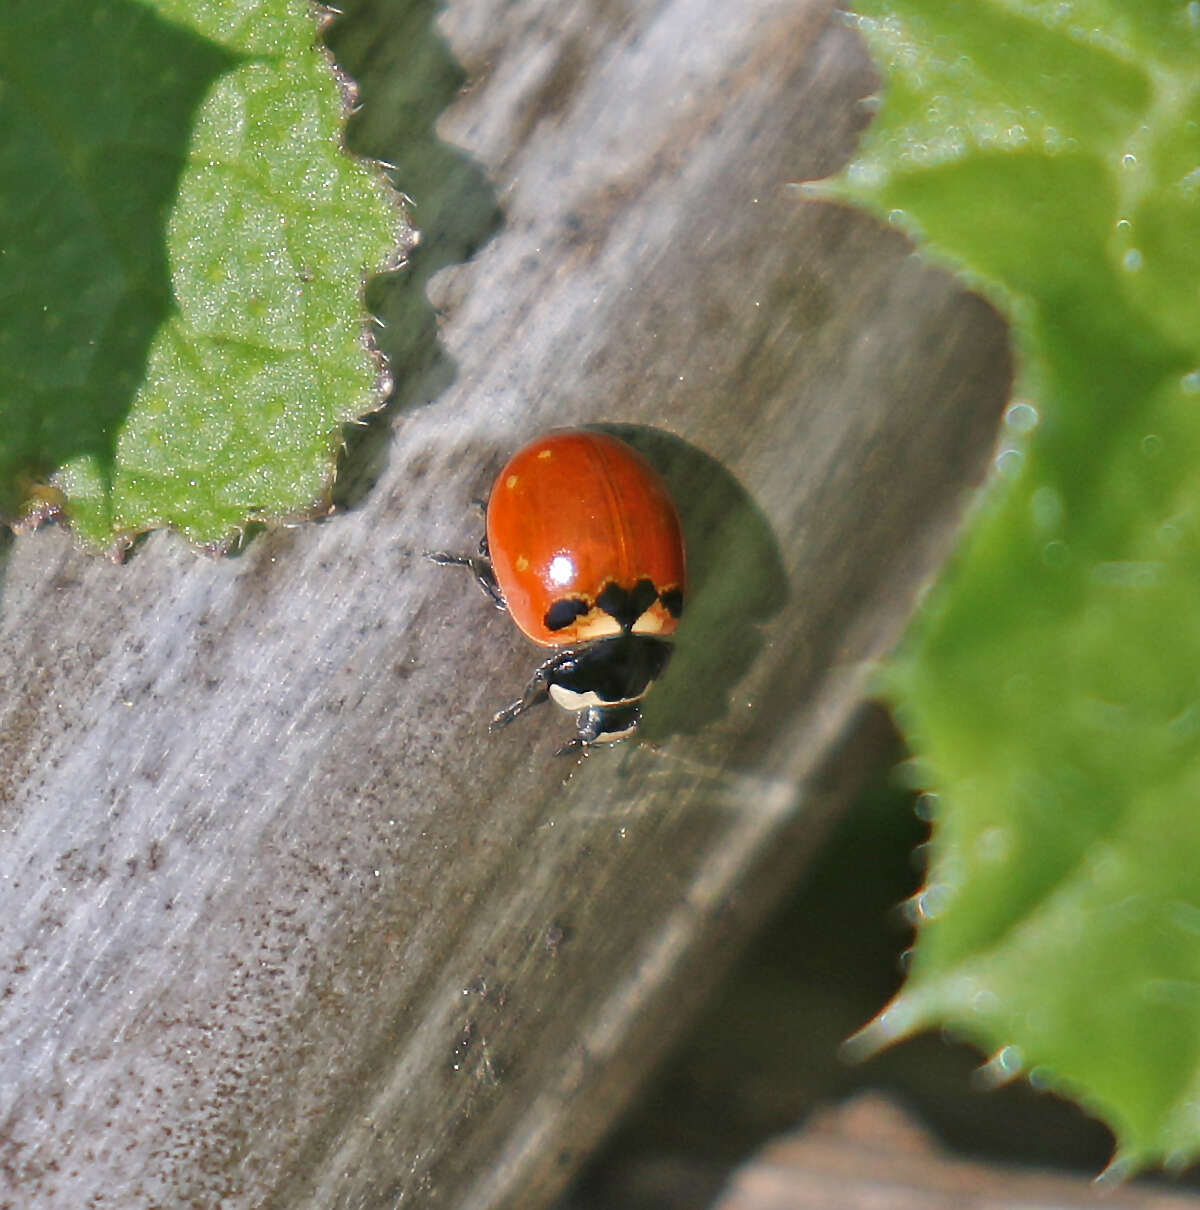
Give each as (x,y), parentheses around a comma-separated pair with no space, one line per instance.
(1050,686)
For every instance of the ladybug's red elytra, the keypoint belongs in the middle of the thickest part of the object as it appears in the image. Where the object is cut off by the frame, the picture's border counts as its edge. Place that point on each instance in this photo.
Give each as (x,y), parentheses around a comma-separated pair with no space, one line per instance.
(584,549)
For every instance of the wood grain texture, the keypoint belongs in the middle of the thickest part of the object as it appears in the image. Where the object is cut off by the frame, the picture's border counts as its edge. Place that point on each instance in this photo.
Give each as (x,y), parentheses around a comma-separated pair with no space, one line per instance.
(281,925)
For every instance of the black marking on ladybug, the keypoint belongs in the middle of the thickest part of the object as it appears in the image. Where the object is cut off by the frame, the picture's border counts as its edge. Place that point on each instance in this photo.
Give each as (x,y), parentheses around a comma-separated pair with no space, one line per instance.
(607,677)
(627,605)
(564,611)
(672,601)
(643,596)
(618,669)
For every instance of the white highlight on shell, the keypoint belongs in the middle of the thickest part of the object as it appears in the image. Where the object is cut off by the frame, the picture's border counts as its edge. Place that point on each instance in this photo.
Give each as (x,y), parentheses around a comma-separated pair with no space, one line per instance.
(562,570)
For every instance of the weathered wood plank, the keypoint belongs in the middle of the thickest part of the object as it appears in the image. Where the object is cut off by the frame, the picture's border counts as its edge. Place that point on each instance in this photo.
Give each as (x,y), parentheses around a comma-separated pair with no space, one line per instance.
(869,1153)
(282,925)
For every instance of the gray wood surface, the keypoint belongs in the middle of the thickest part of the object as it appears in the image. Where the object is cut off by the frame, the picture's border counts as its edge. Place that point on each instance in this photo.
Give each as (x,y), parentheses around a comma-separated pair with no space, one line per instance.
(282,925)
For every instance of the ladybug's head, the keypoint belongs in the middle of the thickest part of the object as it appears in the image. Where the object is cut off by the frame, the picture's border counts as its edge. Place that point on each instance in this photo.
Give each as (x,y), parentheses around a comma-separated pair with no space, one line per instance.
(604,682)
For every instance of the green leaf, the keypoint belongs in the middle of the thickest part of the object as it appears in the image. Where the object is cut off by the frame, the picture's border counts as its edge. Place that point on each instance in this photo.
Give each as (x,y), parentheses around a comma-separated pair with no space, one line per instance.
(183,245)
(1050,687)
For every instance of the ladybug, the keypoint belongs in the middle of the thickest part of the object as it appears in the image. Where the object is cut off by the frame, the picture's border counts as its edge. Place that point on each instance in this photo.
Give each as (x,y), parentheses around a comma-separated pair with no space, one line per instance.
(584,550)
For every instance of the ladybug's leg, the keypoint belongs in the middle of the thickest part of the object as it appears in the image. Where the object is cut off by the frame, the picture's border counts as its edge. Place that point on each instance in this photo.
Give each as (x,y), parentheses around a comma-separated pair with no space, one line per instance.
(603,724)
(538,689)
(533,696)
(587,721)
(480,564)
